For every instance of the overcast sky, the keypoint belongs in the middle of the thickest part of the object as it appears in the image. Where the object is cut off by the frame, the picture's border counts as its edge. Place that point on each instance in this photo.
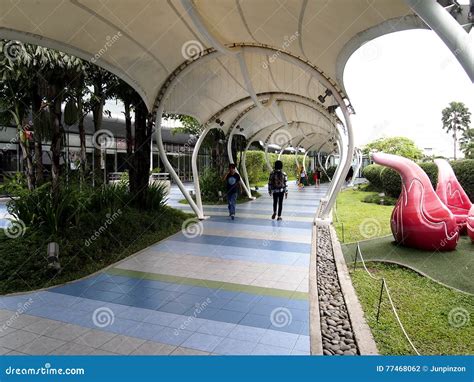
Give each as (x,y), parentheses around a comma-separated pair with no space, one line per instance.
(398,85)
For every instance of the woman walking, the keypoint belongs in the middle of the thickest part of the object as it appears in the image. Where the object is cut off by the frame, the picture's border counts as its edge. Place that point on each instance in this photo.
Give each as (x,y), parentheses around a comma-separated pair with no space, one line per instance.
(277,186)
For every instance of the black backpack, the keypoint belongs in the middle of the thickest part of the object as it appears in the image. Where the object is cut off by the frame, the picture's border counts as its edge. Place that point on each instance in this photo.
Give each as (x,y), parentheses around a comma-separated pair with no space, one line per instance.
(278,180)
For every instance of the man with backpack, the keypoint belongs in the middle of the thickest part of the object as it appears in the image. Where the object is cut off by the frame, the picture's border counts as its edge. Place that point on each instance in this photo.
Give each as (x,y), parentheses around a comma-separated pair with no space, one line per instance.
(277,186)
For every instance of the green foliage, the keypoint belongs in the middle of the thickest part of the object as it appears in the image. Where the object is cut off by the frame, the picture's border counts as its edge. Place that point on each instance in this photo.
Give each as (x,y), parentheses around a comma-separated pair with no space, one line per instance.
(23,260)
(372,174)
(402,146)
(467,143)
(464,170)
(37,208)
(14,185)
(382,200)
(211,182)
(330,172)
(257,168)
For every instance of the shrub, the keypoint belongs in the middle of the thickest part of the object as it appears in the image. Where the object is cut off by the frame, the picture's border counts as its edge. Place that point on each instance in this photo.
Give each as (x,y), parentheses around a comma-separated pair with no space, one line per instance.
(372,174)
(331,170)
(75,205)
(382,200)
(388,180)
(464,170)
(211,183)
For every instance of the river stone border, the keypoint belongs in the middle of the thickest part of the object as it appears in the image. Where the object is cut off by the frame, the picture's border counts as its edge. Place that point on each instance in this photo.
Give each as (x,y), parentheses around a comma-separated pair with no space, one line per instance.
(337,323)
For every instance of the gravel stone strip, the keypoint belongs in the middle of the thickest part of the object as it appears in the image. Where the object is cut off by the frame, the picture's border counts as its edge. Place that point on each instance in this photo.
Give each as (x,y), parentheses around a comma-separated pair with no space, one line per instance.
(336,330)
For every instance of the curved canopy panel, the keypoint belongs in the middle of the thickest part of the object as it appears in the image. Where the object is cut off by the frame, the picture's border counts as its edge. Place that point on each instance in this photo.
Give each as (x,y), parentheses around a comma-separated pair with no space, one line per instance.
(144,41)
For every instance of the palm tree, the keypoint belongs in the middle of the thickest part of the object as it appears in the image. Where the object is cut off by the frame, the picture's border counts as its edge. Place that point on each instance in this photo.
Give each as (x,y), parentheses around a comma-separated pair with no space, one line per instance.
(467,143)
(456,118)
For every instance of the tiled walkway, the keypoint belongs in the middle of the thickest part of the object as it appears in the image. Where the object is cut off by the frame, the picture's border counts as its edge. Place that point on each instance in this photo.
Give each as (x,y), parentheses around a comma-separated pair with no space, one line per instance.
(223,287)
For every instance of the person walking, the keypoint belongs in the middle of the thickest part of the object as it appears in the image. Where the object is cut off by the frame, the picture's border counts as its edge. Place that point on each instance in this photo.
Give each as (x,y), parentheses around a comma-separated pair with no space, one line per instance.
(277,187)
(316,176)
(232,180)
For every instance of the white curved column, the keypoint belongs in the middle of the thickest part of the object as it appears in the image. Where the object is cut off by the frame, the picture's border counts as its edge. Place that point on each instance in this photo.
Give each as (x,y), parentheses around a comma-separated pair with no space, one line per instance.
(449,30)
(304,159)
(358,154)
(231,160)
(267,161)
(244,165)
(281,153)
(169,167)
(197,188)
(346,152)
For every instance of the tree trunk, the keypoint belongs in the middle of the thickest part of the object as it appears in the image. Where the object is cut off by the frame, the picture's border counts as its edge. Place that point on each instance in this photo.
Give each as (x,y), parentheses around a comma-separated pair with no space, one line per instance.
(82,136)
(141,157)
(56,140)
(97,114)
(129,142)
(455,135)
(38,136)
(26,151)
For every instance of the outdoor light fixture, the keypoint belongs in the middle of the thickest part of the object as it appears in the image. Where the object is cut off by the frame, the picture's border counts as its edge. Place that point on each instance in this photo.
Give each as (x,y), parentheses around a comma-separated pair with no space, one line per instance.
(332,108)
(53,256)
(219,122)
(322,98)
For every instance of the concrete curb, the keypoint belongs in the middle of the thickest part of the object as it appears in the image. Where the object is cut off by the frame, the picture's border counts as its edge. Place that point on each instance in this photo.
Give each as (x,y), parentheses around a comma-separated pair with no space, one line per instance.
(316,340)
(363,336)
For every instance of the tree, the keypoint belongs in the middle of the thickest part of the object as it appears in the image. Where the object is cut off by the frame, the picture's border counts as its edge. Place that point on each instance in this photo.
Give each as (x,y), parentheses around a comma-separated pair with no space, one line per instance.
(466,143)
(455,118)
(402,146)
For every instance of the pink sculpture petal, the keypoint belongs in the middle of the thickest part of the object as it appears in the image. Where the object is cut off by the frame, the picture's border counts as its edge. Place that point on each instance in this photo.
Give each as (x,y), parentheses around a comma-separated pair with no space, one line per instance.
(470,224)
(451,192)
(419,219)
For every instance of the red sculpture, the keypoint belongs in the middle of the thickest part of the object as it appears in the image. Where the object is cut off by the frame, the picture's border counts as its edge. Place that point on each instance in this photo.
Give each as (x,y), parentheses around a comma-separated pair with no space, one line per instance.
(470,224)
(419,219)
(451,193)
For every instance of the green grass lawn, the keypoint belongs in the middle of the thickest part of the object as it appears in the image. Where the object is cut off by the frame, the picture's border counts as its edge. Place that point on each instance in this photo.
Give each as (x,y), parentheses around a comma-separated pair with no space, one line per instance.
(424,308)
(359,220)
(454,268)
(423,305)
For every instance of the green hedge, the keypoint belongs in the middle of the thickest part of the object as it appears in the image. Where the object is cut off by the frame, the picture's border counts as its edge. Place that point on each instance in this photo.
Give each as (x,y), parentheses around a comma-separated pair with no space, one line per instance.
(388,180)
(257,168)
